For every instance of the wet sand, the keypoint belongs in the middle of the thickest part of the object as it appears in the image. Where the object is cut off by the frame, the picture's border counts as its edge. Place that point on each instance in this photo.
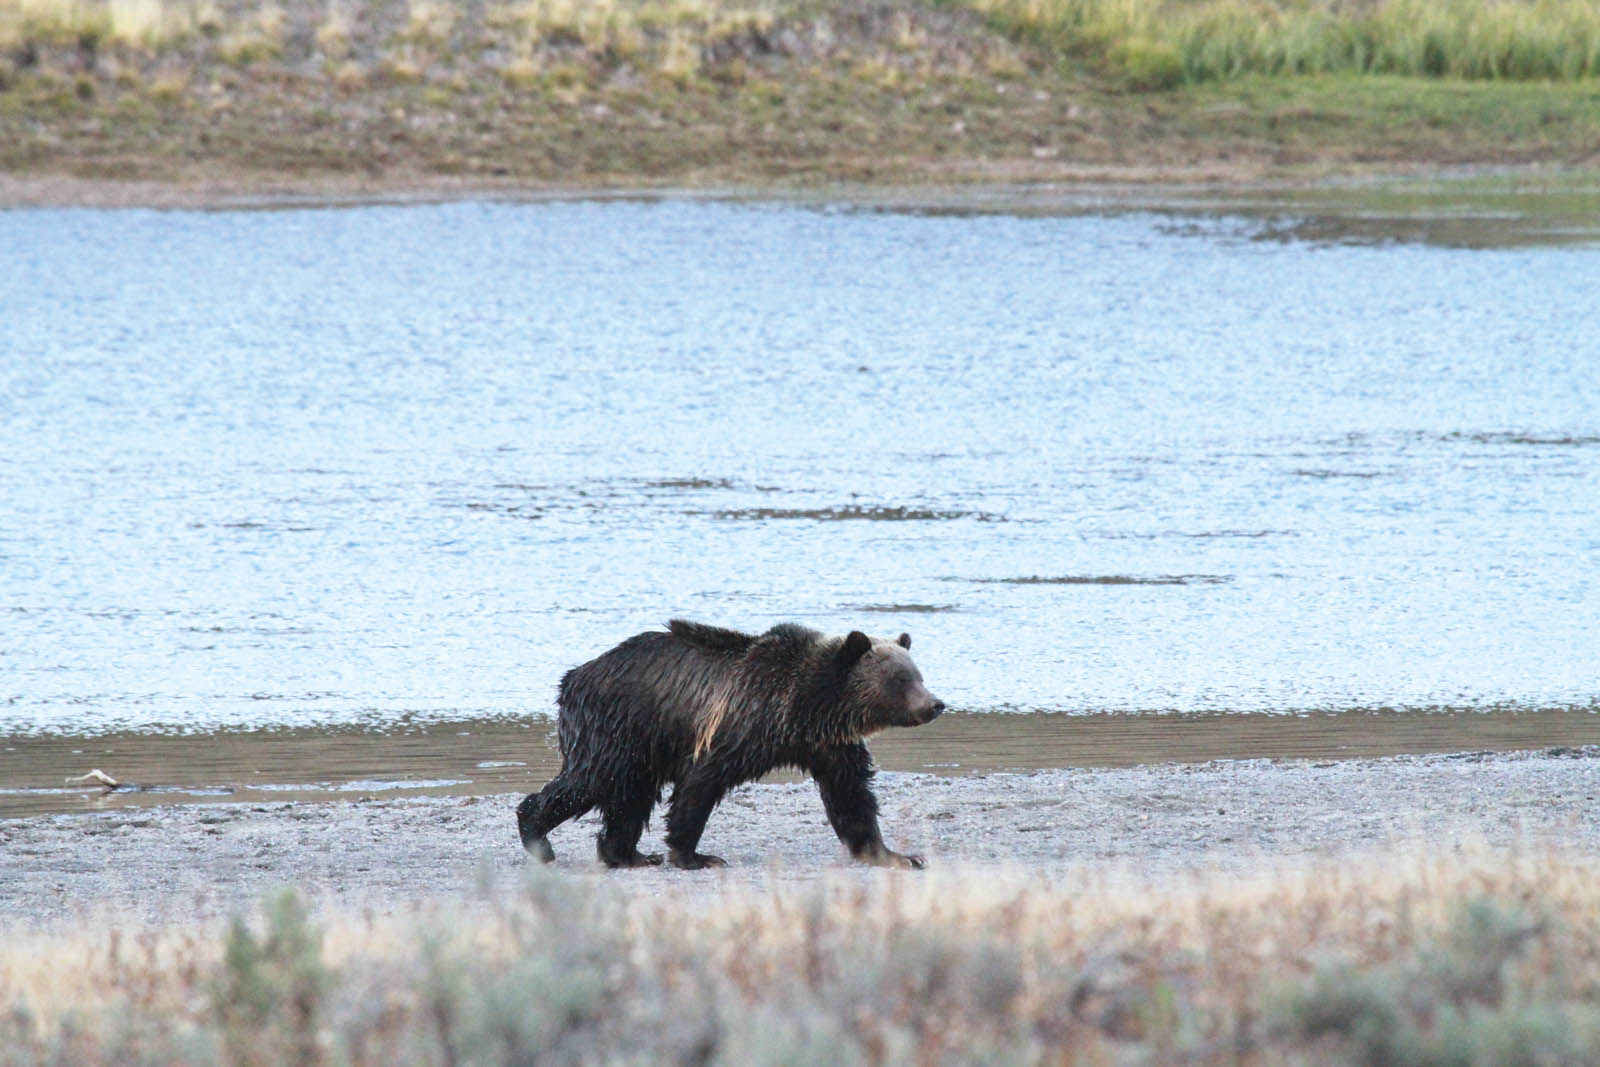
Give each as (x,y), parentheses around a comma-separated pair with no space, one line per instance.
(1234,817)
(480,758)
(1465,206)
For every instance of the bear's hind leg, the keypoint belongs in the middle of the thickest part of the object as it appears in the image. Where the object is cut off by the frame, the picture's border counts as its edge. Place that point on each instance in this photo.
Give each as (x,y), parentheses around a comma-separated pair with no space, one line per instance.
(618,843)
(539,813)
(692,804)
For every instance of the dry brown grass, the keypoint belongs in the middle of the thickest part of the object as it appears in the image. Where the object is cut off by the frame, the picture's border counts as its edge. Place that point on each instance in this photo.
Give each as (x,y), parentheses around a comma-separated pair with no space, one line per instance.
(1451,959)
(680,42)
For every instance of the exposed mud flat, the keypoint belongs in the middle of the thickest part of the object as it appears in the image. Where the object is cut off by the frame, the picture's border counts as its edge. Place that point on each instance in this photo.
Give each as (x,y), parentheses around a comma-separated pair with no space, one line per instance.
(490,757)
(1155,822)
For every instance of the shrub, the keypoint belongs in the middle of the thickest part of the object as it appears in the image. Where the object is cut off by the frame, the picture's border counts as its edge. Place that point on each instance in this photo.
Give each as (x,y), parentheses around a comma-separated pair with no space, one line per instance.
(1449,1003)
(268,997)
(1432,965)
(1148,65)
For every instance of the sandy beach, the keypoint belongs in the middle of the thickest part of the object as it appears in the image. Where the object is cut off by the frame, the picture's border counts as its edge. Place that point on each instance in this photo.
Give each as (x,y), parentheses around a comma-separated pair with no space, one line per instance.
(1151,822)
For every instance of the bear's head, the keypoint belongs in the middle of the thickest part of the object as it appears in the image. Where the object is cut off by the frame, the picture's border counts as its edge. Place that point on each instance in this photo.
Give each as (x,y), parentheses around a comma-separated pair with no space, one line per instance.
(885,684)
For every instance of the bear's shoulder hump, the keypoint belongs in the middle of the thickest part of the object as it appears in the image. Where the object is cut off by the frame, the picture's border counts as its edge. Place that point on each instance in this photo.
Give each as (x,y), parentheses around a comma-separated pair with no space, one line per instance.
(712,638)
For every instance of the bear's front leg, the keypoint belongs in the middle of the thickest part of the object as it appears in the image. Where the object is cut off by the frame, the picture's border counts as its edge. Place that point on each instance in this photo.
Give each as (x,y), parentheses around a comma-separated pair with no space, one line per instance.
(692,803)
(844,777)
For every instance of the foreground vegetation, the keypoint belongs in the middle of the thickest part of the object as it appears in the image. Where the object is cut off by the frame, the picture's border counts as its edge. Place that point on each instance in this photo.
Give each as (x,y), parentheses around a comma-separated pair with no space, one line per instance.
(1486,959)
(683,92)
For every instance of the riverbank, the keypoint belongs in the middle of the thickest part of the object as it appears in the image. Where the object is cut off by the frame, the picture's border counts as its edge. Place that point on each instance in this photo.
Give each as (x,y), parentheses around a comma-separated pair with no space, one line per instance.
(1162,821)
(405,99)
(1258,910)
(45,774)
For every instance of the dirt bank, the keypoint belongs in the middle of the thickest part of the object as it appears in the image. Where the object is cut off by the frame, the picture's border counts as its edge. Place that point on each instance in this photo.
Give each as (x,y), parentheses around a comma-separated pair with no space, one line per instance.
(400,98)
(1158,821)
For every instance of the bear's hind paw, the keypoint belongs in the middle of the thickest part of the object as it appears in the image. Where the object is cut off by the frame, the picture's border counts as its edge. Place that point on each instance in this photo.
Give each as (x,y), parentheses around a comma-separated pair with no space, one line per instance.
(696,861)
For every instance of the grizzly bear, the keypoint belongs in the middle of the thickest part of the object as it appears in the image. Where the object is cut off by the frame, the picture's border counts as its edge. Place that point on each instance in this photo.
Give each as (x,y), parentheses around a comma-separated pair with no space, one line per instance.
(706,709)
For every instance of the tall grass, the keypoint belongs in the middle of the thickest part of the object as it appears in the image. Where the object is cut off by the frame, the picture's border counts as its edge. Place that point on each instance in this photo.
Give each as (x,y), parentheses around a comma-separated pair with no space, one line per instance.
(1197,40)
(148,24)
(1156,43)
(1489,959)
(675,37)
(671,36)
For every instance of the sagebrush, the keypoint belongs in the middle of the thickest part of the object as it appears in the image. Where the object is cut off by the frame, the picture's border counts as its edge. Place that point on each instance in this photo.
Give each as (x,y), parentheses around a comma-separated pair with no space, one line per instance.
(1483,959)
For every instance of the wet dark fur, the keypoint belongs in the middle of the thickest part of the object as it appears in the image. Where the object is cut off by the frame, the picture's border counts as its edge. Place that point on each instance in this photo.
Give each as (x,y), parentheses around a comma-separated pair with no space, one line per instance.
(706,709)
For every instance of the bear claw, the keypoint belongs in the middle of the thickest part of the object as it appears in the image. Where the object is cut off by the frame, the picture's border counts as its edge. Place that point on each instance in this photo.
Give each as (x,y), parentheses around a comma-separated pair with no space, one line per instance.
(643,859)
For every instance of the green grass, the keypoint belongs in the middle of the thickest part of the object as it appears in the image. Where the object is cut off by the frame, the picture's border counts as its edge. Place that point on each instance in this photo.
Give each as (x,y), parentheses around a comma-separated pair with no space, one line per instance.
(1200,40)
(1430,117)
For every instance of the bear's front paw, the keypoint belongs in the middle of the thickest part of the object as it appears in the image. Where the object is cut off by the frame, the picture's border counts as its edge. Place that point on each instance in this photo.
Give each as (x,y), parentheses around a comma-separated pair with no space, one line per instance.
(695,861)
(539,848)
(887,857)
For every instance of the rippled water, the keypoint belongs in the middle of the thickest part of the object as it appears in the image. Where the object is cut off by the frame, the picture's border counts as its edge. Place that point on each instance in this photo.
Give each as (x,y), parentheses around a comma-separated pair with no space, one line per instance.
(328,466)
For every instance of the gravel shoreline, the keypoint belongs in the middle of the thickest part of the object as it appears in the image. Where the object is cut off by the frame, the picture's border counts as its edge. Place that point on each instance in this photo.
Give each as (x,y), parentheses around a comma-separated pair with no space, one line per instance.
(1154,823)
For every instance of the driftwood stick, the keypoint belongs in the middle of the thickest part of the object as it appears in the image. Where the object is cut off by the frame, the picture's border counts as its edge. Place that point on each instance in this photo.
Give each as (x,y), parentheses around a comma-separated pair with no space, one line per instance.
(95,776)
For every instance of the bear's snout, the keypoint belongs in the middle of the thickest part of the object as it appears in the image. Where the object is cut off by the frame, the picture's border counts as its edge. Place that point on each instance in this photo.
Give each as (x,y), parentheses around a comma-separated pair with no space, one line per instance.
(931,712)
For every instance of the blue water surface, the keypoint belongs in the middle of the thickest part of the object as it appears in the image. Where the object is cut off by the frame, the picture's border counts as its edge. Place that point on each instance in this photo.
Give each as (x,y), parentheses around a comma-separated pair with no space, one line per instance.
(327,466)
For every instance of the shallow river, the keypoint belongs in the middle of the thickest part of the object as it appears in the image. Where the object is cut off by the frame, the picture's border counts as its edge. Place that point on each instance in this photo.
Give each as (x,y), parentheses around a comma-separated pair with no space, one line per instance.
(311,468)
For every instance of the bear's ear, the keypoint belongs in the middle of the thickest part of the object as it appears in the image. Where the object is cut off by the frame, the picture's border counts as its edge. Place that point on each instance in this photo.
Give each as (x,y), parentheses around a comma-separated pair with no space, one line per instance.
(856,645)
(905,640)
